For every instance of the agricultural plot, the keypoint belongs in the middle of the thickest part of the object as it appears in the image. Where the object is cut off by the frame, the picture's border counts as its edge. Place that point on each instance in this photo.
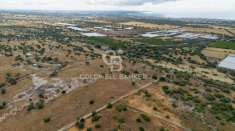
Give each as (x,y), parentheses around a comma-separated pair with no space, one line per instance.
(217,52)
(223,45)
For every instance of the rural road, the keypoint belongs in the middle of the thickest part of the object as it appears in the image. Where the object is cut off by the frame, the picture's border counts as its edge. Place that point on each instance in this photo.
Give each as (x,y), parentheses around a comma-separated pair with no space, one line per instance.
(66,127)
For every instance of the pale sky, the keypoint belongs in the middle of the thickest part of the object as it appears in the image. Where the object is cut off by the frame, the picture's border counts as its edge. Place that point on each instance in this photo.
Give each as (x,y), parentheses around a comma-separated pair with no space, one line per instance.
(221,9)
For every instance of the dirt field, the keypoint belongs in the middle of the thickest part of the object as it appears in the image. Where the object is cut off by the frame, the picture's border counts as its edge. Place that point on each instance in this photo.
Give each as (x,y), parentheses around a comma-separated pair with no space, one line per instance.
(197,59)
(233,30)
(207,30)
(217,53)
(208,73)
(148,25)
(68,107)
(155,107)
(74,104)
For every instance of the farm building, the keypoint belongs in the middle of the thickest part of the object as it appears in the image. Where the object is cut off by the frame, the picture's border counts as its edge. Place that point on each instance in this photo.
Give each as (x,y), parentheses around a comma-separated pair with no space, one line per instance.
(228,63)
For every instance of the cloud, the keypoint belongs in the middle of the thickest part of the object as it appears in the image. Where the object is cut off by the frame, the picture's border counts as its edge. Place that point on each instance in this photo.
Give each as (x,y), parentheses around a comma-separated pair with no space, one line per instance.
(125,2)
(171,8)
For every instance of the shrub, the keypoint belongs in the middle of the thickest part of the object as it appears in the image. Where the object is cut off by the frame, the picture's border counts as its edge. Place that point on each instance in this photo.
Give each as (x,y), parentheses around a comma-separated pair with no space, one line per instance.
(10,79)
(121,120)
(3,91)
(133,83)
(47,119)
(95,117)
(166,90)
(163,129)
(88,129)
(145,117)
(30,107)
(109,105)
(147,94)
(141,129)
(2,104)
(91,102)
(138,120)
(40,104)
(121,108)
(97,126)
(2,85)
(80,123)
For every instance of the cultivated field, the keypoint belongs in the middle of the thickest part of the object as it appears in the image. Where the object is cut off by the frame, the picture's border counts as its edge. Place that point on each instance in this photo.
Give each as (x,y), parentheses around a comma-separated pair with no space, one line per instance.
(217,52)
(148,25)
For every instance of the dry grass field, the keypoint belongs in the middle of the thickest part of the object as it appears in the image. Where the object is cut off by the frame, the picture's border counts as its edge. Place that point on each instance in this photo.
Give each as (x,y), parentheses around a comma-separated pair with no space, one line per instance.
(148,25)
(217,53)
(208,73)
(220,31)
(207,30)
(68,107)
(156,108)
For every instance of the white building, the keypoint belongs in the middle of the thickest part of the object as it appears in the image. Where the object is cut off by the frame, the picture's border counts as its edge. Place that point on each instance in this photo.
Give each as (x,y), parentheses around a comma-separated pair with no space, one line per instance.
(228,63)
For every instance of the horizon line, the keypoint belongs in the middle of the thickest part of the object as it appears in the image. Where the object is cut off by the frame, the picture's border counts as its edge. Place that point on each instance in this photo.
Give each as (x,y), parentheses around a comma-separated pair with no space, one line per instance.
(66,10)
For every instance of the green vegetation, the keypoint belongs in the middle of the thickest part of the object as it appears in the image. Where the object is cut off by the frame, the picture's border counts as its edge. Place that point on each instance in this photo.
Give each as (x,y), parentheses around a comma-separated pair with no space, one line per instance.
(80,123)
(121,108)
(141,129)
(3,91)
(223,44)
(213,100)
(89,129)
(156,41)
(120,120)
(47,32)
(106,41)
(30,107)
(138,120)
(47,119)
(114,129)
(145,117)
(95,117)
(146,93)
(97,126)
(166,90)
(178,77)
(2,85)
(109,105)
(40,104)
(10,79)
(2,104)
(163,129)
(91,102)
